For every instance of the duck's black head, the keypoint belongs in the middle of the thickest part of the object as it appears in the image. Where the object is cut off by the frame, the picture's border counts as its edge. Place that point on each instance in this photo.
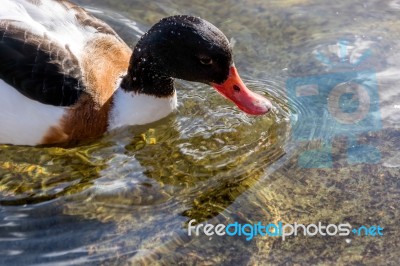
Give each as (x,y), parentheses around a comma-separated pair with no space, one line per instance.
(192,49)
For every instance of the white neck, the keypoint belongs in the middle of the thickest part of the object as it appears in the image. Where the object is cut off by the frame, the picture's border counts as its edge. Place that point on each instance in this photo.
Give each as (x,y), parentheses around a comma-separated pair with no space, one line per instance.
(131,108)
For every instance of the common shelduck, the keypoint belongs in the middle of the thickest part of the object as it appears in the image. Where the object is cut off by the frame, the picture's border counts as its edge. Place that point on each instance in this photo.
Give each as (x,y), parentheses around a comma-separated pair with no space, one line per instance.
(66,76)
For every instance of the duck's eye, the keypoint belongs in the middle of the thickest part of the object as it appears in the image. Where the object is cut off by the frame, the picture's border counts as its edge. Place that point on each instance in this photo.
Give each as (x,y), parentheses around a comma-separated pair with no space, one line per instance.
(205,60)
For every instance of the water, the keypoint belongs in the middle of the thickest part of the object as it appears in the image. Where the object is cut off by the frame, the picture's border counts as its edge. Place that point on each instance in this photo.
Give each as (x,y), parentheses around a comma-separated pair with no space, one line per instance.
(127,198)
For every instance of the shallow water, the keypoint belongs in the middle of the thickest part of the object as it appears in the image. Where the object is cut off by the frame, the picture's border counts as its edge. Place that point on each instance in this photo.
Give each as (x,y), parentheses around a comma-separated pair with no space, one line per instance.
(128,197)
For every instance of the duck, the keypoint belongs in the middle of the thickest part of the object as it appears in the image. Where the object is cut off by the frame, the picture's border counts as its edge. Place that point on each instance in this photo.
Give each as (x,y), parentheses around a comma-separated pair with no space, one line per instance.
(67,76)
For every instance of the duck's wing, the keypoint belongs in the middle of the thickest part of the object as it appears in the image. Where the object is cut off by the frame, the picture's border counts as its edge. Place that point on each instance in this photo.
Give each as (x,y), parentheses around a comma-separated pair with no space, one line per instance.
(40,47)
(38,68)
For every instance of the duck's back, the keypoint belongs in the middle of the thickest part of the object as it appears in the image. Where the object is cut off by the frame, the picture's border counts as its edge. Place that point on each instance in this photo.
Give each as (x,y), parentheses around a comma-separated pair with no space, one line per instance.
(59,20)
(53,55)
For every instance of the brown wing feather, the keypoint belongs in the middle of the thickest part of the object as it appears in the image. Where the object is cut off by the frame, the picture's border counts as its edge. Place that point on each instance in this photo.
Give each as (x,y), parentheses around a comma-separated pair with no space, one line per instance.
(86,19)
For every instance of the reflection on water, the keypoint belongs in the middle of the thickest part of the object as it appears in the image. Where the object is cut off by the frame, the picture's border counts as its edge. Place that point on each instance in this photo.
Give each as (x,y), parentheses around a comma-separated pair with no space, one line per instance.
(128,197)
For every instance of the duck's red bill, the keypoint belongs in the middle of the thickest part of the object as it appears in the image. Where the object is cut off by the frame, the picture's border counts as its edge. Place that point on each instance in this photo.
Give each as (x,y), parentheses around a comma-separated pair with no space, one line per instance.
(247,101)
